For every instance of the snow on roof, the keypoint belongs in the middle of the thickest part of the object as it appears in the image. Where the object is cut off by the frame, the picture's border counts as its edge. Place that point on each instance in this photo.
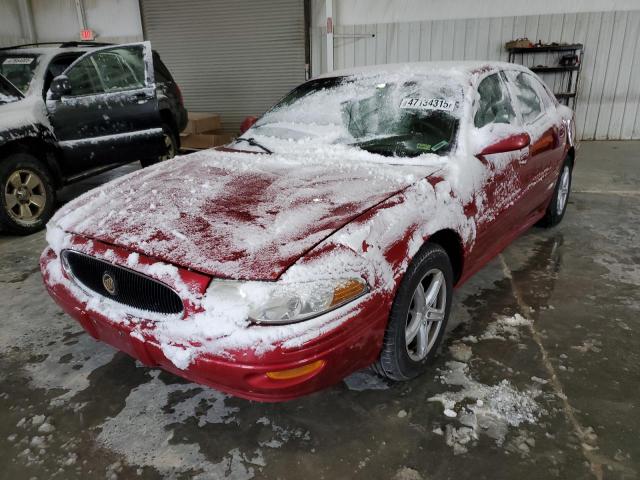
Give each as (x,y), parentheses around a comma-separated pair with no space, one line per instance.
(456,68)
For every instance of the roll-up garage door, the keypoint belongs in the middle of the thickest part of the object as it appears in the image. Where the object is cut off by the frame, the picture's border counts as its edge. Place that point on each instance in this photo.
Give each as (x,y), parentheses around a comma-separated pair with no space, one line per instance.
(232,57)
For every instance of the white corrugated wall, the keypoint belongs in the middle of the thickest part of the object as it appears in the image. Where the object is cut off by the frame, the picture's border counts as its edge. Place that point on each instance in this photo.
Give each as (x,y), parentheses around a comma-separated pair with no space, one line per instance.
(609,92)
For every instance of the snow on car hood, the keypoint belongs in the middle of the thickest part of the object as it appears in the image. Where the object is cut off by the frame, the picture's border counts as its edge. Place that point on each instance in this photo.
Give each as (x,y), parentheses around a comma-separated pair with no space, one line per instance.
(236,215)
(23,113)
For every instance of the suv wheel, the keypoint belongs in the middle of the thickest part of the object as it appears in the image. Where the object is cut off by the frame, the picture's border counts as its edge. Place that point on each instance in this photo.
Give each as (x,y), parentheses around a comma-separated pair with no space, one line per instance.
(27,196)
(171,144)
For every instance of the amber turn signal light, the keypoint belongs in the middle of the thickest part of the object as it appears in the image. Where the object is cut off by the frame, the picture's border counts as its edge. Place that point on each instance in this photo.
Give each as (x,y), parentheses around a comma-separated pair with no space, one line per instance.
(296,372)
(348,291)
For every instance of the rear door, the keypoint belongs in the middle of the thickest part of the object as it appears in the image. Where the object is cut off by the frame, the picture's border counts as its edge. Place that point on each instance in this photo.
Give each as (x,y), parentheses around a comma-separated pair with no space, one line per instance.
(538,173)
(111,114)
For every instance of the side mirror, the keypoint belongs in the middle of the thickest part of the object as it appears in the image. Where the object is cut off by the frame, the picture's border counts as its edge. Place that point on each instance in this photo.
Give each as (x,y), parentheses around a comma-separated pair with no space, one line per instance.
(60,86)
(507,144)
(247,123)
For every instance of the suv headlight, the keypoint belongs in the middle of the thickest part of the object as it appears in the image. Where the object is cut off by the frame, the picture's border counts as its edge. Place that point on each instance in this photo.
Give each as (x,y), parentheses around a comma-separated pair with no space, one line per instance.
(275,303)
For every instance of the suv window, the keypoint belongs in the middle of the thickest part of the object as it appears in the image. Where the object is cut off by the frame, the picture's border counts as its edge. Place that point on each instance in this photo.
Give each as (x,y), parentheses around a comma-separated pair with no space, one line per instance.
(528,99)
(18,69)
(160,71)
(109,70)
(84,78)
(495,104)
(121,68)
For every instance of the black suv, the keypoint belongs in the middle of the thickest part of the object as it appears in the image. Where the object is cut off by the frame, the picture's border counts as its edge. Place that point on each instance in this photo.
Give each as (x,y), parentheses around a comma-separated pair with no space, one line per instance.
(73,110)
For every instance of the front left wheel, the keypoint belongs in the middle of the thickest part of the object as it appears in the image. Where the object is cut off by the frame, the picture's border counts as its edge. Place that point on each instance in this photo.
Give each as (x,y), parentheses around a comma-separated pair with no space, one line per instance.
(419,315)
(27,196)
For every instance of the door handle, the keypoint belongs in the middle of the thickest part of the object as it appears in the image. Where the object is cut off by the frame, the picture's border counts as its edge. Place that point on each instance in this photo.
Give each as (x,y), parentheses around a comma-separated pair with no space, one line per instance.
(141,97)
(523,157)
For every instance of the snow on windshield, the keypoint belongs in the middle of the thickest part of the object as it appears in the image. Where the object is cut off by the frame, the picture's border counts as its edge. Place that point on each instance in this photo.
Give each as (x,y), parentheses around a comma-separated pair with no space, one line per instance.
(403,115)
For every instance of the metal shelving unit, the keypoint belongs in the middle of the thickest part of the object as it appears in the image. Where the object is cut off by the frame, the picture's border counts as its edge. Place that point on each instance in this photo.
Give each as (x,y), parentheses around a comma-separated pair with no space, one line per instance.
(570,74)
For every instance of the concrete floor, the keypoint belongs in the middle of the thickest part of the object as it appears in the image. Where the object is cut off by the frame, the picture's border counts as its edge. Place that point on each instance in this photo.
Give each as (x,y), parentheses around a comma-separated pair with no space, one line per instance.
(551,393)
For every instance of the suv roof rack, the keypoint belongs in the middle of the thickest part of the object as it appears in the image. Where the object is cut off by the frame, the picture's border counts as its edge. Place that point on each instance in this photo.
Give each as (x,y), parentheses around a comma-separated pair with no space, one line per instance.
(66,44)
(80,43)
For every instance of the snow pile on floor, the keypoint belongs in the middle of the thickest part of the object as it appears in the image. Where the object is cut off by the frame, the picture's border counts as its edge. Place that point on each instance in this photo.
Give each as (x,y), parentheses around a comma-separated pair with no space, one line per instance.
(480,408)
(144,433)
(141,432)
(506,328)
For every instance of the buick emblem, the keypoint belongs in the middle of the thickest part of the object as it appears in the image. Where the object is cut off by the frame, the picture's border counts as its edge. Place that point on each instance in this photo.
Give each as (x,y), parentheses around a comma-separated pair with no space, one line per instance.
(109,283)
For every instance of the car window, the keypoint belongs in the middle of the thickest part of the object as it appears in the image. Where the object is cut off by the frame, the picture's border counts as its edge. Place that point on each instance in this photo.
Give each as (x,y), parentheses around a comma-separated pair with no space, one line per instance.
(121,68)
(545,94)
(407,118)
(528,99)
(161,72)
(494,105)
(57,66)
(84,78)
(111,70)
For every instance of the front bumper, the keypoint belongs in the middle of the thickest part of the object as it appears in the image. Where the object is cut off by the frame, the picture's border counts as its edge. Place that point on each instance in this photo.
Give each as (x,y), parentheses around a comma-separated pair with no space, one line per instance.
(352,345)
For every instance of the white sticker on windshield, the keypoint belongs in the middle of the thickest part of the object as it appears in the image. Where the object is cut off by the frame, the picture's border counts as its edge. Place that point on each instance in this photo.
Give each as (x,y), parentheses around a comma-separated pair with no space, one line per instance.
(427,103)
(18,61)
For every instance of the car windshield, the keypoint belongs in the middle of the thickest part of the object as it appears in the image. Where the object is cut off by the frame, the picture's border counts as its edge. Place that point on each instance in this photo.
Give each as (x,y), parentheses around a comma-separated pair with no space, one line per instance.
(404,117)
(18,68)
(7,92)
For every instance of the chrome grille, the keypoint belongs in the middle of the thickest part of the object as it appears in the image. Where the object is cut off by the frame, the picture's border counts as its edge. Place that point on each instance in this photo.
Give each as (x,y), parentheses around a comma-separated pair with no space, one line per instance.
(121,284)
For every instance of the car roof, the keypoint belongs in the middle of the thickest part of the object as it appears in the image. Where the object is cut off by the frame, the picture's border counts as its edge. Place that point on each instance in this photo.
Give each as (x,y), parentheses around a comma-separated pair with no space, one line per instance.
(466,69)
(47,46)
(51,49)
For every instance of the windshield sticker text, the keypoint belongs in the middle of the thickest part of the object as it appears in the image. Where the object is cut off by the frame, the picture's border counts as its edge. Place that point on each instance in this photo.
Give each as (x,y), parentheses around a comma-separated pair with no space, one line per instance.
(427,104)
(18,61)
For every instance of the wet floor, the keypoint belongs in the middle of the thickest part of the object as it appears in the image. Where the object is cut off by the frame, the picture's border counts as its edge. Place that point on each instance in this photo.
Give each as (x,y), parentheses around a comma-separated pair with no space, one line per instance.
(539,376)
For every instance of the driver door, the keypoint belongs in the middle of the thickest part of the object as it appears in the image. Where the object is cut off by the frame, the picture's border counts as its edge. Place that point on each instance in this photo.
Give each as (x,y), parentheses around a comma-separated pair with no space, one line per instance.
(498,203)
(109,112)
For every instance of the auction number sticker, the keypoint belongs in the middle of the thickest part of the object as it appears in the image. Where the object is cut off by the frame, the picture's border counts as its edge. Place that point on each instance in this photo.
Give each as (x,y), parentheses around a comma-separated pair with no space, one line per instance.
(18,61)
(427,103)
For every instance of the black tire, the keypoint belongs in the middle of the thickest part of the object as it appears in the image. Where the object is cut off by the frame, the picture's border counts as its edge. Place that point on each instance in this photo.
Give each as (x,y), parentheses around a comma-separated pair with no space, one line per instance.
(395,361)
(170,136)
(554,214)
(18,166)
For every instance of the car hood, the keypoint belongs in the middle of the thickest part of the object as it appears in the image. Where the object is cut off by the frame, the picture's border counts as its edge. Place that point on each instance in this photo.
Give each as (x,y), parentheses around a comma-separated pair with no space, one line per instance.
(234,215)
(24,113)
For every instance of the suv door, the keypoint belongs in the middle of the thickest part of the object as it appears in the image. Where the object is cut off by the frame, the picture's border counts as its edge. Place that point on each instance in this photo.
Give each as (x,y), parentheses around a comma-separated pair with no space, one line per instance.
(110,114)
(540,170)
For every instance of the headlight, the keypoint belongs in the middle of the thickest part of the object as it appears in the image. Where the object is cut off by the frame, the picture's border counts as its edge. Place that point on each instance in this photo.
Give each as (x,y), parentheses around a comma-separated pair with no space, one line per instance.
(275,303)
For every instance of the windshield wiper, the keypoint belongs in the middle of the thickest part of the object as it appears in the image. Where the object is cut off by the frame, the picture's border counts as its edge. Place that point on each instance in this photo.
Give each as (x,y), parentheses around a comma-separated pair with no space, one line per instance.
(252,141)
(403,145)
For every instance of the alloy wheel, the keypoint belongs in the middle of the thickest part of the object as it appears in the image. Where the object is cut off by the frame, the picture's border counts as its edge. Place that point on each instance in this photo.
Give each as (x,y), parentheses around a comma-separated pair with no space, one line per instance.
(426,314)
(563,189)
(171,151)
(25,196)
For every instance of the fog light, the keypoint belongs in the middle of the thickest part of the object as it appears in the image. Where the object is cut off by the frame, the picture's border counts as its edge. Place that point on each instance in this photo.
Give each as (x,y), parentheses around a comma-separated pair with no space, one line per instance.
(296,372)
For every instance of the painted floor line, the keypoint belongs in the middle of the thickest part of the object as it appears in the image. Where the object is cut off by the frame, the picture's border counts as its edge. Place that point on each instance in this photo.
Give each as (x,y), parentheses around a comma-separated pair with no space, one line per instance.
(624,193)
(587,444)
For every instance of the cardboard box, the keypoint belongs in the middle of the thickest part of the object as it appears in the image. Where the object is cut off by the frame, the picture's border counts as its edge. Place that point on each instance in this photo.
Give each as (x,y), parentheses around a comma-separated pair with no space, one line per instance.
(205,140)
(202,122)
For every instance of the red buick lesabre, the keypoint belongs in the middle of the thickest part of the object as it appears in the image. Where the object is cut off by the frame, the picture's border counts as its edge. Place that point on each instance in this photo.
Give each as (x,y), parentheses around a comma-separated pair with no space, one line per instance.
(327,238)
